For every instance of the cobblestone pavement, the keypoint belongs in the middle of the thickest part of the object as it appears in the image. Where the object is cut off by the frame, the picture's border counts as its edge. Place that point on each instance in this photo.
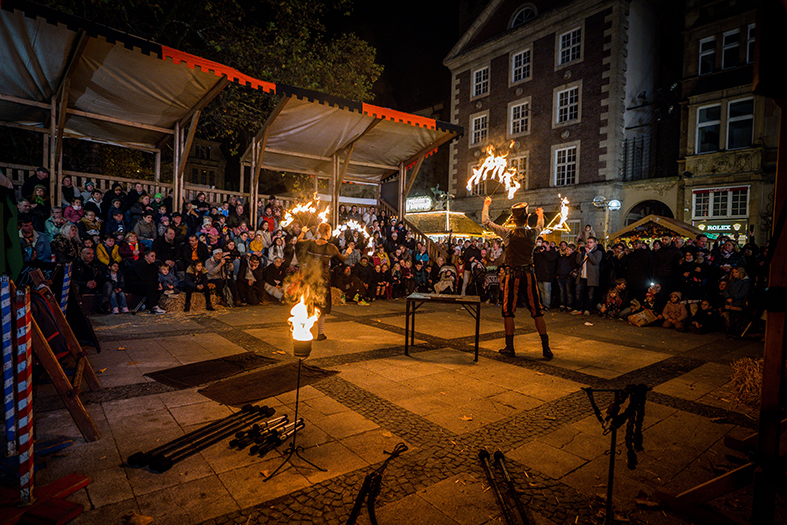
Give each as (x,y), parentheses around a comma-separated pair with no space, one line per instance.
(438,454)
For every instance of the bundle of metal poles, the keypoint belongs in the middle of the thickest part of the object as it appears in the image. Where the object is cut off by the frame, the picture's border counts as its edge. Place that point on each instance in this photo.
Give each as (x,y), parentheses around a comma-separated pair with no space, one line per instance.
(162,458)
(513,495)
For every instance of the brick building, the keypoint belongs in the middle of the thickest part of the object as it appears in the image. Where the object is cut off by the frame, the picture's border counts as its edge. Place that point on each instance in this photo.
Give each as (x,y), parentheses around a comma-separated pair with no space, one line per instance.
(578,94)
(729,136)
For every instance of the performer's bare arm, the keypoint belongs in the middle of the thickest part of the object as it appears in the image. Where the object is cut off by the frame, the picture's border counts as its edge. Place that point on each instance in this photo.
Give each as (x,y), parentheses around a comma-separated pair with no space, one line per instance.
(499,230)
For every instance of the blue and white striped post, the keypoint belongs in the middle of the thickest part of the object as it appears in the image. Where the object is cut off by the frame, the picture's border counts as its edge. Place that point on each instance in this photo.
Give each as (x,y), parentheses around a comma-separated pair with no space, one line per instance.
(8,365)
(64,292)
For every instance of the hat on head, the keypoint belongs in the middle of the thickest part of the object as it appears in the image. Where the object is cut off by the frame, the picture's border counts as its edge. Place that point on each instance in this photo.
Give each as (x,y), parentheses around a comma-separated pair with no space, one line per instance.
(518,215)
(89,183)
(41,168)
(157,196)
(118,212)
(217,250)
(272,198)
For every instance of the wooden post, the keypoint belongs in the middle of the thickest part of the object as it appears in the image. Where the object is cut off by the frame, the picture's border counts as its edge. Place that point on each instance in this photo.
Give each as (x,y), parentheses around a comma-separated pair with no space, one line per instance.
(177,197)
(770,470)
(402,177)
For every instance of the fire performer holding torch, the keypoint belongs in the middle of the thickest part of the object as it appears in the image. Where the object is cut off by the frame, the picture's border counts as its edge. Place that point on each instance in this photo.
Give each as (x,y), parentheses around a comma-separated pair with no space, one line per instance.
(520,242)
(320,252)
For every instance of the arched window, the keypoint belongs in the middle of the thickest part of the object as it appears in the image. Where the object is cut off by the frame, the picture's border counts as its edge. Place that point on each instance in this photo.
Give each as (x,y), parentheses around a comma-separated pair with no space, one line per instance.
(524,15)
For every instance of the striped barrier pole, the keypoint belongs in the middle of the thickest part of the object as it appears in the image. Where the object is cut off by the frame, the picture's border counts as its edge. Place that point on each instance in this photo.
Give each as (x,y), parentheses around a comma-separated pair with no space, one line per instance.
(64,292)
(8,366)
(24,399)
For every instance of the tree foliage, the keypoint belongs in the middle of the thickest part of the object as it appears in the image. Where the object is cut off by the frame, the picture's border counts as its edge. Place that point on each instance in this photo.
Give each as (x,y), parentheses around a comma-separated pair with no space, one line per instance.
(281,41)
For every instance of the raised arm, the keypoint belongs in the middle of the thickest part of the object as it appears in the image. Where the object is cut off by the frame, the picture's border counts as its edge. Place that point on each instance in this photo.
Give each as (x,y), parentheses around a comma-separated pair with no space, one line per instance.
(488,224)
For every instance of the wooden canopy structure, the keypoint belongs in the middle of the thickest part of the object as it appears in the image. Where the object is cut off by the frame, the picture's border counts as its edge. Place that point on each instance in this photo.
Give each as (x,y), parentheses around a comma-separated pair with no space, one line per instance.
(666,223)
(434,223)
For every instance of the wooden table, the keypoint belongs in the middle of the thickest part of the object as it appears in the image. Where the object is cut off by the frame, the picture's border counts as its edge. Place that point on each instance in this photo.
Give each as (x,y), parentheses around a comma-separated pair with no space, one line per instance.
(415,300)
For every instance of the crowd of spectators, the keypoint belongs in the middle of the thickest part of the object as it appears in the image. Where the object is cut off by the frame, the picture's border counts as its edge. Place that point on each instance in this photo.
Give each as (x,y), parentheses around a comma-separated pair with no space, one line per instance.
(134,242)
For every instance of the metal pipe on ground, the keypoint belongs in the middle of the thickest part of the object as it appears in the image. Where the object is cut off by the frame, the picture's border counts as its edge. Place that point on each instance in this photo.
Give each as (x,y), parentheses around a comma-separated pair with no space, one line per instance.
(483,455)
(162,463)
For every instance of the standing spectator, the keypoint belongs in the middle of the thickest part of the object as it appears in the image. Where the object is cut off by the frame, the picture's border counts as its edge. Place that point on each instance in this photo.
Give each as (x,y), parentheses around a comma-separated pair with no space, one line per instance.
(566,263)
(421,277)
(586,234)
(470,255)
(665,264)
(545,261)
(67,191)
(728,257)
(370,215)
(640,270)
(114,286)
(142,279)
(589,260)
(41,176)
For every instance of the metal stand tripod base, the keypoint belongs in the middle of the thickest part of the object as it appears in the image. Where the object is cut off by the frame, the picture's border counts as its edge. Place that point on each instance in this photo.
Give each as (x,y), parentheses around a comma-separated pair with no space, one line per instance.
(293,449)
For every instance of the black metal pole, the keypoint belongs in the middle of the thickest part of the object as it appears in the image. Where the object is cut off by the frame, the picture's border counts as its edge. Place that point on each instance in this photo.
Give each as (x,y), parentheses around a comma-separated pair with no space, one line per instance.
(500,458)
(483,455)
(162,463)
(608,517)
(140,459)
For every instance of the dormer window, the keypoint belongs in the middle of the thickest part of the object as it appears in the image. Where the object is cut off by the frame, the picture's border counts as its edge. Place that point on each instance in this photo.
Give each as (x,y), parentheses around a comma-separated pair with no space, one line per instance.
(524,15)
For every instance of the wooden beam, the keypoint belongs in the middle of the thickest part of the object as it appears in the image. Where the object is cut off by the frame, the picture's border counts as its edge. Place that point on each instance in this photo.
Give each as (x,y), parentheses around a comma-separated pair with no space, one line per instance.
(104,118)
(206,99)
(414,175)
(189,141)
(402,175)
(24,101)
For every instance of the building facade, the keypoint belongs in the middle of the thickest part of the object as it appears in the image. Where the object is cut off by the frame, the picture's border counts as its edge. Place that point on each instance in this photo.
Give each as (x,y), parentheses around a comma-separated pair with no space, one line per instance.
(205,164)
(574,94)
(729,136)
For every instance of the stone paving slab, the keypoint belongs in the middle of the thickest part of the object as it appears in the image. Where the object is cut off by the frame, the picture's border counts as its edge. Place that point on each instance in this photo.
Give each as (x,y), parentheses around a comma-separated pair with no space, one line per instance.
(531,409)
(446,321)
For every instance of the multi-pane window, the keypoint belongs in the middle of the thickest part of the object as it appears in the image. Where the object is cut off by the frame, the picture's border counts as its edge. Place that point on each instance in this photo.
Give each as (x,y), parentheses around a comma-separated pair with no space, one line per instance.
(480,129)
(707,55)
(721,203)
(567,105)
(520,66)
(525,15)
(520,118)
(701,205)
(708,128)
(730,53)
(566,166)
(480,82)
(520,164)
(570,46)
(740,123)
(750,44)
(739,202)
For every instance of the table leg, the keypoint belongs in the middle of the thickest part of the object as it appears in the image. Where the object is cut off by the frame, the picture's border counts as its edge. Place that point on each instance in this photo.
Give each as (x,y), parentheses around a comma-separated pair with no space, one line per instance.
(412,324)
(477,328)
(407,328)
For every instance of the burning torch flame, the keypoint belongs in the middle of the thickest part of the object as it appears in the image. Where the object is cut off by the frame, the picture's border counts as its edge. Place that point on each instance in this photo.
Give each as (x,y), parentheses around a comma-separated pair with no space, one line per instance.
(351,225)
(495,167)
(561,218)
(301,322)
(304,209)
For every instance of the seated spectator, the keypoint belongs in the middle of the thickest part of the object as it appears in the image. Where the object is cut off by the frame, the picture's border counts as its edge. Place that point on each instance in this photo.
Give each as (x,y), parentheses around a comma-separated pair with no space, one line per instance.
(235,256)
(446,281)
(273,278)
(87,274)
(134,195)
(219,269)
(277,249)
(90,187)
(117,216)
(131,249)
(142,279)
(94,203)
(168,281)
(67,191)
(161,225)
(706,320)
(39,203)
(242,243)
(615,301)
(41,176)
(365,272)
(379,282)
(109,198)
(168,251)
(35,245)
(89,227)
(181,229)
(421,277)
(66,246)
(194,250)
(145,229)
(257,246)
(736,295)
(675,314)
(408,278)
(353,289)
(251,280)
(74,212)
(54,223)
(654,299)
(139,209)
(197,281)
(108,251)
(114,286)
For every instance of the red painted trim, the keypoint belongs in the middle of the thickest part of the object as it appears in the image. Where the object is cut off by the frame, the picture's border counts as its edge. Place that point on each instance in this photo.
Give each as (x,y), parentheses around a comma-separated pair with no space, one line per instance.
(399,116)
(218,69)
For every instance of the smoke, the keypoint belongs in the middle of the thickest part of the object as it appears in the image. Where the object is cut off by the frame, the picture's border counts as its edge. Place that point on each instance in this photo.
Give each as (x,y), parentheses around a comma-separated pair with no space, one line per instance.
(308,281)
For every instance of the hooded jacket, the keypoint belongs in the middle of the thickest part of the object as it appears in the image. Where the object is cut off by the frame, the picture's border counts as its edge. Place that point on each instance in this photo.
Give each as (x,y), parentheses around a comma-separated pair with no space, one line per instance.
(675,312)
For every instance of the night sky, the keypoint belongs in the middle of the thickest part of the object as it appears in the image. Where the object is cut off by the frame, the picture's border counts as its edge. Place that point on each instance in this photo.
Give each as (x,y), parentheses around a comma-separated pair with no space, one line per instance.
(411,37)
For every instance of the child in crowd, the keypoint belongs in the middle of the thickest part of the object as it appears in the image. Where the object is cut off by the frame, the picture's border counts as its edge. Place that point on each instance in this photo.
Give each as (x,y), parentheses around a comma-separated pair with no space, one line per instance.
(114,289)
(74,212)
(675,313)
(397,281)
(167,280)
(131,249)
(197,281)
(108,251)
(379,282)
(706,320)
(408,277)
(421,277)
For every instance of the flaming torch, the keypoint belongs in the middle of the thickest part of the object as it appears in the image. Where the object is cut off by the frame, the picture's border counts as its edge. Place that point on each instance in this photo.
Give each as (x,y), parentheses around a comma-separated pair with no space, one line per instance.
(559,221)
(306,214)
(495,167)
(351,225)
(301,324)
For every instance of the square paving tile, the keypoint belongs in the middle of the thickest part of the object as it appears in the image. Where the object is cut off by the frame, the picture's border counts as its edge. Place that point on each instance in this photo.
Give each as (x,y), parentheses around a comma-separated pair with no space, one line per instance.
(698,382)
(189,502)
(446,321)
(553,462)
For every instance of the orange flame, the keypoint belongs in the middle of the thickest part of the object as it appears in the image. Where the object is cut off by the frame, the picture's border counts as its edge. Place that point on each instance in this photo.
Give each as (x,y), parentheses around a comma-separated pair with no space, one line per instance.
(310,208)
(561,218)
(495,167)
(301,322)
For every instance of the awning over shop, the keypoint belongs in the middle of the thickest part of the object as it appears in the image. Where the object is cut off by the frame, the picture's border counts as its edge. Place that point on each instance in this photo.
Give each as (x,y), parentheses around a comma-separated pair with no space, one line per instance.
(654,226)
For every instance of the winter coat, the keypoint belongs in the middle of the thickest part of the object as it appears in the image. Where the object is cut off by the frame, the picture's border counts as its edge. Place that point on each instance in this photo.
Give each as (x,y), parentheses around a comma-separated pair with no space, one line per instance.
(545,262)
(738,291)
(593,266)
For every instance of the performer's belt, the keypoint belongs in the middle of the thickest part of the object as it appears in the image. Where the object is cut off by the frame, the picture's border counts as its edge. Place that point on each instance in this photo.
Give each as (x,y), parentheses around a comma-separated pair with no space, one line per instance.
(519,270)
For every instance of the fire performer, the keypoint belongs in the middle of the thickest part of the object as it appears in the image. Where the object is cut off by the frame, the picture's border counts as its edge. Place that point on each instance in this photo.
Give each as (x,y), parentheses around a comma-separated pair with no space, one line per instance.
(320,252)
(520,243)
